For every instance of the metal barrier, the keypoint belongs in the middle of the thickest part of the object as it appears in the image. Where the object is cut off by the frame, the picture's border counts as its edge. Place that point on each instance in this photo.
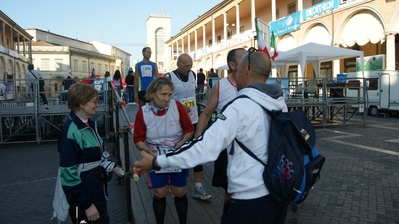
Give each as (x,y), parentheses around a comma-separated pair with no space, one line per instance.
(324,101)
(24,118)
(121,144)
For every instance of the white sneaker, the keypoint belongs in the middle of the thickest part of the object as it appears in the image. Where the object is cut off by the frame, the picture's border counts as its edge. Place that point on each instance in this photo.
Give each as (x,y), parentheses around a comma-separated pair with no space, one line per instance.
(201,194)
(45,105)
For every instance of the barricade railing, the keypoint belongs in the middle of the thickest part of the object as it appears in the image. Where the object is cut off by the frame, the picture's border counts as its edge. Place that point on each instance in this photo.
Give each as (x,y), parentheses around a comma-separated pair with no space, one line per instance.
(120,135)
(25,118)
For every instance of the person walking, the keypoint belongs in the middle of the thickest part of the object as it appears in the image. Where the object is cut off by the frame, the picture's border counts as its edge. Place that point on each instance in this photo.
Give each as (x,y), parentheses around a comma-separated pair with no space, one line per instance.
(35,80)
(200,81)
(245,120)
(224,91)
(67,82)
(162,125)
(211,77)
(130,86)
(83,159)
(145,72)
(117,80)
(183,79)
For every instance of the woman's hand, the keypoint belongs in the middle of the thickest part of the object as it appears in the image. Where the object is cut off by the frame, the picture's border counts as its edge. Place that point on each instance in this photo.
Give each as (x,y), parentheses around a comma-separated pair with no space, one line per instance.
(152,152)
(92,213)
(116,170)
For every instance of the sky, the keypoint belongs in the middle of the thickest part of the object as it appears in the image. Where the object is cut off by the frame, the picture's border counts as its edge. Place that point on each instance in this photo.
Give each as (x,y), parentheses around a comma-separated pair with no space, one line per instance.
(121,23)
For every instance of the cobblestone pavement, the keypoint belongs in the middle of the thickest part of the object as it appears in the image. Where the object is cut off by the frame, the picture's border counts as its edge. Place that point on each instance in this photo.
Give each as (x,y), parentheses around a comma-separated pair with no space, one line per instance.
(359,182)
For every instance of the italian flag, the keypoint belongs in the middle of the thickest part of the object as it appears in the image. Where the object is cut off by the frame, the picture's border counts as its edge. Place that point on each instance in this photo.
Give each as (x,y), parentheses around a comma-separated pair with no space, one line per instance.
(273,47)
(262,45)
(261,42)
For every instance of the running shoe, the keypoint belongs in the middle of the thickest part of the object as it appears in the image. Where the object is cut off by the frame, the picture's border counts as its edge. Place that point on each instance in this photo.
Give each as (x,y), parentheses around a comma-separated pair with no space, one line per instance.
(201,194)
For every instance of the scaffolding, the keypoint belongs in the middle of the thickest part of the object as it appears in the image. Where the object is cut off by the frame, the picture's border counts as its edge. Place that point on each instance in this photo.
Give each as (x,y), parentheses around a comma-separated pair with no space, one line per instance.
(24,117)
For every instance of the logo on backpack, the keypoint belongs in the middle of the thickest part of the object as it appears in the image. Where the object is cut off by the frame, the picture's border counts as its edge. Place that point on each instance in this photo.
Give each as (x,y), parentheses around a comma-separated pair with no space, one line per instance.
(284,168)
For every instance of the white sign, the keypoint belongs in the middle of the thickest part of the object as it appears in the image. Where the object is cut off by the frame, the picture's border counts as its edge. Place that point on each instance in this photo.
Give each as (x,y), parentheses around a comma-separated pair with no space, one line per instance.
(344,3)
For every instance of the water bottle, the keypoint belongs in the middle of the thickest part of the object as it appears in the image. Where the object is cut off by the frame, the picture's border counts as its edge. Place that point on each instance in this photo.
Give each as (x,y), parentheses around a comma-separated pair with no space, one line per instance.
(136,174)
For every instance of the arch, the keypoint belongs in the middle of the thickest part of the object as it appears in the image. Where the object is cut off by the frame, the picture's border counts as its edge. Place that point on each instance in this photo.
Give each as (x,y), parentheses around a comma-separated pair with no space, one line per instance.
(317,33)
(208,64)
(219,61)
(361,25)
(9,68)
(2,67)
(394,22)
(287,42)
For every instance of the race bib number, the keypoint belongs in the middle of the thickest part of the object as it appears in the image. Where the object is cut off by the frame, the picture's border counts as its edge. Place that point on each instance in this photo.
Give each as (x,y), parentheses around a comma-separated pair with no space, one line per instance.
(162,150)
(189,102)
(192,103)
(146,71)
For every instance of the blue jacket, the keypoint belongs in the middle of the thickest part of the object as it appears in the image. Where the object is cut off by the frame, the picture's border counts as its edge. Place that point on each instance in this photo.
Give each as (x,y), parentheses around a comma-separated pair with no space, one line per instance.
(77,144)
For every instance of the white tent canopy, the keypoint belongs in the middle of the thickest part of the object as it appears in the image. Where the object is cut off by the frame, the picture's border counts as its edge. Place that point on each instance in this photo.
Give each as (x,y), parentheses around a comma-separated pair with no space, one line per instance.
(315,54)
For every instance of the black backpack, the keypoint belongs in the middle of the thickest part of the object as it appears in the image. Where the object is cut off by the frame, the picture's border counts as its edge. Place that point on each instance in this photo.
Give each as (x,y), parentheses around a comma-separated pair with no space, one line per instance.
(294,164)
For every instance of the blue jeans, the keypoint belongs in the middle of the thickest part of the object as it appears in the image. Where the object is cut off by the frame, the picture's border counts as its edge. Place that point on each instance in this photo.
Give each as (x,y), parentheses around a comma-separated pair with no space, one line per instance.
(263,210)
(129,92)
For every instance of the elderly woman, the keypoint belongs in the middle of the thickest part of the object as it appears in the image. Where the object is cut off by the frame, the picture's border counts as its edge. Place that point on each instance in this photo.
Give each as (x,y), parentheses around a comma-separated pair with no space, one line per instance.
(162,125)
(84,168)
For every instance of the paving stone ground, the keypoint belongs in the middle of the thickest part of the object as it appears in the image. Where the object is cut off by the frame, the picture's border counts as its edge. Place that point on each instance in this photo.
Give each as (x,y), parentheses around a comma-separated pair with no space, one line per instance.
(359,183)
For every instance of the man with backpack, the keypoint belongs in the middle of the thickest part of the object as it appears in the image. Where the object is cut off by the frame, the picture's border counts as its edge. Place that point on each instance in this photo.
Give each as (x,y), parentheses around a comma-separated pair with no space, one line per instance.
(242,120)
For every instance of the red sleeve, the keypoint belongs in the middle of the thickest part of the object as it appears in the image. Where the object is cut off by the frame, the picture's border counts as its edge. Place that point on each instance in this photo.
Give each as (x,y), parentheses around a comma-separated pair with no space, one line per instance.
(140,128)
(185,121)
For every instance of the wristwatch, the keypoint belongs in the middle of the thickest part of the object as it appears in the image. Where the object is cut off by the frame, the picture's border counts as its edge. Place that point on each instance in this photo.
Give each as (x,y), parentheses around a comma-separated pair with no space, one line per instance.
(155,167)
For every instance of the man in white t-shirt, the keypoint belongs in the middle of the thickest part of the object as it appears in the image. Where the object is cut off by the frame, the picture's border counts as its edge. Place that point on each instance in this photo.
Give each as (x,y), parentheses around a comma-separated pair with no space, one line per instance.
(184,81)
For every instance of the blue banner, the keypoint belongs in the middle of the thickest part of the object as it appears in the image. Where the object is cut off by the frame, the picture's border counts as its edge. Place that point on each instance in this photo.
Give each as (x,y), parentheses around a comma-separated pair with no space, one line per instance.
(319,8)
(286,24)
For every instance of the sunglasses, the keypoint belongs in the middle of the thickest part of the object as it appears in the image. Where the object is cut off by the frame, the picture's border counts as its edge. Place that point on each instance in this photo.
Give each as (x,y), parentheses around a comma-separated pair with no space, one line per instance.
(250,50)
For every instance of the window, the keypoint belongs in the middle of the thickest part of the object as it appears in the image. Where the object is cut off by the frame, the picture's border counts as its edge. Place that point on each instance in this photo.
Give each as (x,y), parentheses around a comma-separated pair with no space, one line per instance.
(75,65)
(242,29)
(106,68)
(350,65)
(372,84)
(84,66)
(326,69)
(277,14)
(210,42)
(291,8)
(314,2)
(58,65)
(219,38)
(45,64)
(99,69)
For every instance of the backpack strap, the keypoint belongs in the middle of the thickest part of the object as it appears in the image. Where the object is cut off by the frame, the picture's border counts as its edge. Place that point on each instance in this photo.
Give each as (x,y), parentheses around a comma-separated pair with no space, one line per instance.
(33,74)
(249,152)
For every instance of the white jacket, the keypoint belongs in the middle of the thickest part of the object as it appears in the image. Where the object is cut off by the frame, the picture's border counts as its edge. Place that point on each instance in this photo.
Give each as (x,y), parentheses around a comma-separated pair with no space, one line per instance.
(245,120)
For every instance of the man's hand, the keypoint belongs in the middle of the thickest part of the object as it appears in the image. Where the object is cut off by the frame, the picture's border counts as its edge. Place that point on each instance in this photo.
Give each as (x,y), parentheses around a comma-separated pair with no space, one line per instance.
(145,164)
(92,213)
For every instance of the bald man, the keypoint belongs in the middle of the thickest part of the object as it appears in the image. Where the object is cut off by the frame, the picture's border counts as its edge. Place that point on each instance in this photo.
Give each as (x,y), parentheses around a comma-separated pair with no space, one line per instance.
(245,120)
(184,81)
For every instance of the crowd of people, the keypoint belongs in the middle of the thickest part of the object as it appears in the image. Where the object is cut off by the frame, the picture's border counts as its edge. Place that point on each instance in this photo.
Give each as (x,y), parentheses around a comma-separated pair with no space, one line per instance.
(167,124)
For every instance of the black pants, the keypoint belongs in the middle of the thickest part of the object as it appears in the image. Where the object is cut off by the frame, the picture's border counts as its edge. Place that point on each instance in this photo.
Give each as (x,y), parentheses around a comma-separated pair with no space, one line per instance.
(263,210)
(41,93)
